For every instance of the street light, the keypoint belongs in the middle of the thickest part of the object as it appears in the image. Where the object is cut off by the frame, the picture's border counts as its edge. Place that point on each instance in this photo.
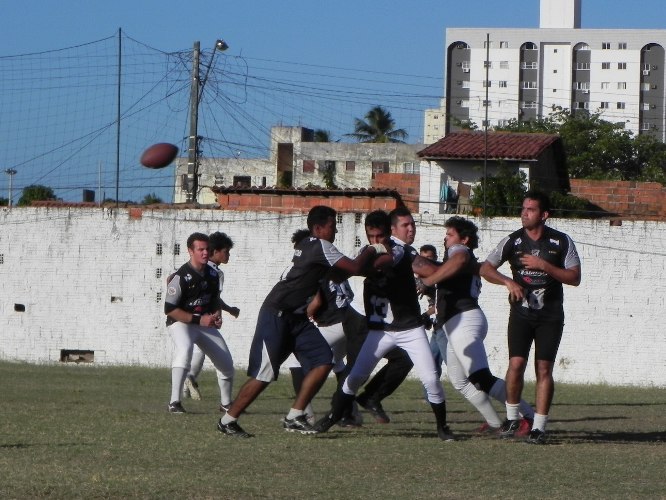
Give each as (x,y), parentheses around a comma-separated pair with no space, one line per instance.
(11,173)
(195,98)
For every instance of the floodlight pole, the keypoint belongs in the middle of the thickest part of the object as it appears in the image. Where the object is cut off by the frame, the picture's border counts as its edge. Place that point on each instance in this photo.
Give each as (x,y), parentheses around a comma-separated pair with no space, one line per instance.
(193,144)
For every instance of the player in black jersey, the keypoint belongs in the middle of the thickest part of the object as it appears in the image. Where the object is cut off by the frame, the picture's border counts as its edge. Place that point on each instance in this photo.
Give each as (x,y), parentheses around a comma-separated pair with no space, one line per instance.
(464,324)
(394,320)
(541,259)
(193,308)
(283,326)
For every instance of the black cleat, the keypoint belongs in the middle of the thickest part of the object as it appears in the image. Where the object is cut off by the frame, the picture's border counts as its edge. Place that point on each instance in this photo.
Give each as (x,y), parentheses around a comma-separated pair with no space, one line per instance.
(298,424)
(375,409)
(232,429)
(508,429)
(323,424)
(176,407)
(537,436)
(445,434)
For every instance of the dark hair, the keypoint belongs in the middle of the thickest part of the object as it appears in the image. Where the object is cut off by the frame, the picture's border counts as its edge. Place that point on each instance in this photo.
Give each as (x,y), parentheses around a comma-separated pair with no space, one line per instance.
(319,215)
(378,219)
(219,241)
(429,248)
(465,229)
(541,197)
(299,236)
(401,211)
(196,237)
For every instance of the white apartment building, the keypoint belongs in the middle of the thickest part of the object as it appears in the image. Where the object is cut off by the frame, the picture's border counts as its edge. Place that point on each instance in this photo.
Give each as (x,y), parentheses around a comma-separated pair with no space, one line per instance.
(503,74)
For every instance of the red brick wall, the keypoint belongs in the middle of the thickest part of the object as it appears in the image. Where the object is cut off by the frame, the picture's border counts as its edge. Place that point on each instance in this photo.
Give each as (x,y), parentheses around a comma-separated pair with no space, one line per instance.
(628,199)
(408,185)
(303,202)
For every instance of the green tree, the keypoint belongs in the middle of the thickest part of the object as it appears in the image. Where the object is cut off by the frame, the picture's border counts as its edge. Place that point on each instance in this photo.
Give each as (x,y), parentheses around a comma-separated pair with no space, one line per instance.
(321,135)
(502,193)
(151,199)
(4,202)
(35,192)
(378,126)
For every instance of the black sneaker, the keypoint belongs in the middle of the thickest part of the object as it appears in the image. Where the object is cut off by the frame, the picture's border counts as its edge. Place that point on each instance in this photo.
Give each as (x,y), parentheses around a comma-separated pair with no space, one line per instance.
(298,424)
(323,424)
(508,429)
(349,422)
(537,436)
(232,429)
(445,434)
(176,407)
(375,409)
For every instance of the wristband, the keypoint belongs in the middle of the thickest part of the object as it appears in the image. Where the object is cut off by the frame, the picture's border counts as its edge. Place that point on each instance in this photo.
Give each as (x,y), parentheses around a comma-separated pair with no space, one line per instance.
(196,319)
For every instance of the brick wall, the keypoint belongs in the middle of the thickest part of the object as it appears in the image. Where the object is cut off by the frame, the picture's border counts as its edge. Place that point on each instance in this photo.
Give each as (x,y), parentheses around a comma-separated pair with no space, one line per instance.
(626,199)
(94,279)
(408,185)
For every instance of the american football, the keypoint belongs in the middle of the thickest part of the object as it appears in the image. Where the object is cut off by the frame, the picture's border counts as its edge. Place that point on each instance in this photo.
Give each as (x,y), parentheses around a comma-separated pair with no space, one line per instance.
(159,155)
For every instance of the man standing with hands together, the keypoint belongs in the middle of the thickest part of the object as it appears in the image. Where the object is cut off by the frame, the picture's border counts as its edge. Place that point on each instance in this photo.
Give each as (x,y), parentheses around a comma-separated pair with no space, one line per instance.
(541,260)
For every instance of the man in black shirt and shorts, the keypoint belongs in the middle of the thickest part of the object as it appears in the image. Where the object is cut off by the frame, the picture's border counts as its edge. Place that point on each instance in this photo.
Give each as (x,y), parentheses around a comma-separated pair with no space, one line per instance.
(541,260)
(283,326)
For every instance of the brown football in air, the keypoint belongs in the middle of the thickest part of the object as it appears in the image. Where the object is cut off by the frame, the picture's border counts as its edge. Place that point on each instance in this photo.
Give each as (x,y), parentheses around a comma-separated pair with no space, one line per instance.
(159,155)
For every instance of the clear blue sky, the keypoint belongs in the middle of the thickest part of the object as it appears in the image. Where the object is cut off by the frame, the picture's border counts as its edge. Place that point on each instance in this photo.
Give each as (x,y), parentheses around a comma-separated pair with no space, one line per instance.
(352,54)
(377,35)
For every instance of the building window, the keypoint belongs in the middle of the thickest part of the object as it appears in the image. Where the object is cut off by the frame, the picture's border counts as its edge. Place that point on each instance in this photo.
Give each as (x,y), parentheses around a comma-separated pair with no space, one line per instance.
(646,106)
(410,167)
(466,84)
(465,66)
(176,249)
(530,46)
(645,126)
(528,65)
(622,65)
(529,85)
(605,85)
(622,45)
(488,44)
(581,86)
(583,65)
(620,105)
(582,105)
(350,166)
(502,84)
(622,85)
(645,87)
(605,46)
(464,103)
(604,105)
(605,65)
(582,46)
(242,181)
(528,105)
(488,64)
(379,167)
(308,166)
(487,104)
(504,64)
(504,45)
(487,83)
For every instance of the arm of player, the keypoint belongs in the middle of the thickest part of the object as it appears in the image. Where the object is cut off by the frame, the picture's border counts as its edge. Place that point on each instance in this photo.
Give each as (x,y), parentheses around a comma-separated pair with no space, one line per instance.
(450,268)
(234,311)
(569,276)
(492,275)
(314,305)
(354,267)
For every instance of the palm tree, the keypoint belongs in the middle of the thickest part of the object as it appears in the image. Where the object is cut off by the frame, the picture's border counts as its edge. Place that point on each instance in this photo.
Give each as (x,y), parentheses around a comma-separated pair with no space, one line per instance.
(378,126)
(321,135)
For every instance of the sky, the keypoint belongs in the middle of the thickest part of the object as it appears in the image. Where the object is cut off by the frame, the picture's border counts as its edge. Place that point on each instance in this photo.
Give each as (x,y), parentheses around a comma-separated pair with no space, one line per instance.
(369,42)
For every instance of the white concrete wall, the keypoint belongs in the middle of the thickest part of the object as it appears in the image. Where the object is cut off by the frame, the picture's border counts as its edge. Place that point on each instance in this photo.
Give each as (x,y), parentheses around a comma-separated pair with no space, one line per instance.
(88,280)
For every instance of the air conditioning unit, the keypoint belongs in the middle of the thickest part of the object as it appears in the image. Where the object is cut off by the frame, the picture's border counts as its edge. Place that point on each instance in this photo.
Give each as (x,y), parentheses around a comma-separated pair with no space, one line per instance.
(654,87)
(459,82)
(654,66)
(646,72)
(465,70)
(458,102)
(586,91)
(653,106)
(458,64)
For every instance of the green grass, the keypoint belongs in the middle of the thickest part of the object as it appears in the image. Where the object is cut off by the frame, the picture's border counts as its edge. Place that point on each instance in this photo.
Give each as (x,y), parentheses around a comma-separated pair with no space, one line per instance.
(94,432)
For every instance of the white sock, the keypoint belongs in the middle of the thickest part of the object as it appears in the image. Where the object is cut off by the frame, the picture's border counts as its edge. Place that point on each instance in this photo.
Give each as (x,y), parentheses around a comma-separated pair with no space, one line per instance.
(308,410)
(513,411)
(177,380)
(482,403)
(225,385)
(227,419)
(540,422)
(293,413)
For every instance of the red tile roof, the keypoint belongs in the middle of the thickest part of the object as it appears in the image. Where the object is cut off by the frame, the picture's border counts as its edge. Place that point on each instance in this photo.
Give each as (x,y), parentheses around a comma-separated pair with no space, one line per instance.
(501,146)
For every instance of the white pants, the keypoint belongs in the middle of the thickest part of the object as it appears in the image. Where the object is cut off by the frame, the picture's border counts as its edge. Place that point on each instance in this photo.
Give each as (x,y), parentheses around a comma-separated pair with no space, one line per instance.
(378,343)
(465,352)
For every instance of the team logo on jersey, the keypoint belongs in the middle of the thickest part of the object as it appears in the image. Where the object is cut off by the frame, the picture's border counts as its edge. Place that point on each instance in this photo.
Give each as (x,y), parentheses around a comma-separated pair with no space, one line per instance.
(555,242)
(517,242)
(171,290)
(535,252)
(188,277)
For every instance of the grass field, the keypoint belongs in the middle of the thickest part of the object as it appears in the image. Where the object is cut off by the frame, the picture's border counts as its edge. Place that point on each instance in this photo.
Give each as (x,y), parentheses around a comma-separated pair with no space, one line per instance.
(98,432)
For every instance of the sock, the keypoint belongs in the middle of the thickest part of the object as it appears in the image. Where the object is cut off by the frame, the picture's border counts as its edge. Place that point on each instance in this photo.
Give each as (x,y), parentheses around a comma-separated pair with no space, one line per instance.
(177,380)
(227,419)
(293,413)
(540,422)
(439,409)
(513,411)
(308,410)
(225,385)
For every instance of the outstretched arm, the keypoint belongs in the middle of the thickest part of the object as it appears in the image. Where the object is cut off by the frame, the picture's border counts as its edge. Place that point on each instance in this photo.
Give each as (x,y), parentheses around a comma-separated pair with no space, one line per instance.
(450,268)
(492,275)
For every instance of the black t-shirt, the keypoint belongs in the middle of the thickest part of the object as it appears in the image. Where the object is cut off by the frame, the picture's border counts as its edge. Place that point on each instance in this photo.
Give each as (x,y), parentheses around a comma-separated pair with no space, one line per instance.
(391,300)
(193,292)
(544,294)
(337,297)
(313,258)
(461,292)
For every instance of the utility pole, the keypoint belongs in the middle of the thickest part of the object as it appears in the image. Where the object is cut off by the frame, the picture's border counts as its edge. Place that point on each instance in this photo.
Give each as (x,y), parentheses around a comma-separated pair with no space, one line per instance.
(11,173)
(193,144)
(485,127)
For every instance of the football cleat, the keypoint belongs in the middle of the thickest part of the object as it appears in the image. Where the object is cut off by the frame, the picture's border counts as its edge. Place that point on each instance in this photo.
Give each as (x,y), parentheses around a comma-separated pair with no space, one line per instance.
(232,429)
(445,434)
(509,428)
(375,409)
(536,436)
(176,407)
(298,424)
(524,427)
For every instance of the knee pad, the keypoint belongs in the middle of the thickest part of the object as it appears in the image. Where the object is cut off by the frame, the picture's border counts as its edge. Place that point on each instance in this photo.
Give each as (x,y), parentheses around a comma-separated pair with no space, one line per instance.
(483,380)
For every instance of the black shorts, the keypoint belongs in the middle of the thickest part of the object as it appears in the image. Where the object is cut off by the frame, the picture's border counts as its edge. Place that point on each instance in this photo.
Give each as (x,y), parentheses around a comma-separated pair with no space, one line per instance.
(278,335)
(546,335)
